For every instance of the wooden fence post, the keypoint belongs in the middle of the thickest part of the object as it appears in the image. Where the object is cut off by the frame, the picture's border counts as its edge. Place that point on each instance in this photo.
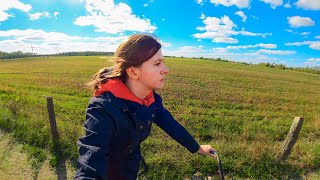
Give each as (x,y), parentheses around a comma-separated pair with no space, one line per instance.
(291,138)
(53,124)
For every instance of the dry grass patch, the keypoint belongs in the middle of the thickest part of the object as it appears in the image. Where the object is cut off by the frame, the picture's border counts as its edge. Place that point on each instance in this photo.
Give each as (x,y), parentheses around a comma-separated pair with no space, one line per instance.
(16,164)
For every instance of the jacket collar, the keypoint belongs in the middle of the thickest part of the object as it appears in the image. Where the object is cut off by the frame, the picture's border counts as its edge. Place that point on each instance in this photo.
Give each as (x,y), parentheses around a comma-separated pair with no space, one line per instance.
(120,90)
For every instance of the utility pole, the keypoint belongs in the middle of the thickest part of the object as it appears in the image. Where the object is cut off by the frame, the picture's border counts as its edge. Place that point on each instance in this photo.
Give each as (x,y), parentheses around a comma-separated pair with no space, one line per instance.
(32,50)
(57,49)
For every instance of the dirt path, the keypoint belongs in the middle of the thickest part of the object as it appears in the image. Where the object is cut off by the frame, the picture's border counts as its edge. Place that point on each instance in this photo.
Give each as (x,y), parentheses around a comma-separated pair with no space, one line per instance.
(14,164)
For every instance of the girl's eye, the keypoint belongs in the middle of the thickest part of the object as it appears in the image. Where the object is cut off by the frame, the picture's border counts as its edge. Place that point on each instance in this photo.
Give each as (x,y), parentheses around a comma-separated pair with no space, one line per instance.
(159,62)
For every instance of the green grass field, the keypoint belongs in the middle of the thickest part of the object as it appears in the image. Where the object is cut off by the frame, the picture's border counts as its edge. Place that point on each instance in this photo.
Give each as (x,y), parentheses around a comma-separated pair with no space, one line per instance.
(244,111)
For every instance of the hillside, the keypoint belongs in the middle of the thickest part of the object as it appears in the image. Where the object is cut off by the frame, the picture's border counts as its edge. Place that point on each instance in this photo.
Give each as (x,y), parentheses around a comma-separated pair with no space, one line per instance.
(244,111)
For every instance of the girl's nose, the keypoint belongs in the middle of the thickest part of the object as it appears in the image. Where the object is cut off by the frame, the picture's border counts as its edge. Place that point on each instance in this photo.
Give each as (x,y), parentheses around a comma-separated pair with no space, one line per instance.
(165,70)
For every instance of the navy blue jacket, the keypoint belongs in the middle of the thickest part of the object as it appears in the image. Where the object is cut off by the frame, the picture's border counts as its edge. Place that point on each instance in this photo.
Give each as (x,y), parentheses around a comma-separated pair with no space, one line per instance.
(114,130)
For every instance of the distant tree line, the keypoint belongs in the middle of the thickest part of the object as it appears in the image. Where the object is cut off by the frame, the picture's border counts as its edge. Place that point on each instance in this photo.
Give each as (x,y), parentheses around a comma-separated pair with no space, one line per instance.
(86,53)
(202,58)
(12,55)
(315,69)
(20,54)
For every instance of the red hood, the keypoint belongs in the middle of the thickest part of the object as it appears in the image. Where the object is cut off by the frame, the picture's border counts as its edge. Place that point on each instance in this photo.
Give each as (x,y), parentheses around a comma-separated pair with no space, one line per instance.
(120,90)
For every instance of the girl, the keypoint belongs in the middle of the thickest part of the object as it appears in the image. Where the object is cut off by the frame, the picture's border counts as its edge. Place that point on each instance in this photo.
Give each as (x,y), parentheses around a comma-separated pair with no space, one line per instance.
(124,106)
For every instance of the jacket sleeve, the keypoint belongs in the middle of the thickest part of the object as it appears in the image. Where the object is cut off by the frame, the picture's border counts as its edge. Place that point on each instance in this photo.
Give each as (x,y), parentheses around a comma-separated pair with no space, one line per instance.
(165,121)
(94,146)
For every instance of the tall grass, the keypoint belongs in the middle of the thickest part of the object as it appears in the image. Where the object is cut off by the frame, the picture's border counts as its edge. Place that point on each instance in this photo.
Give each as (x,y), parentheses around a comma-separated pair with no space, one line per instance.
(243,111)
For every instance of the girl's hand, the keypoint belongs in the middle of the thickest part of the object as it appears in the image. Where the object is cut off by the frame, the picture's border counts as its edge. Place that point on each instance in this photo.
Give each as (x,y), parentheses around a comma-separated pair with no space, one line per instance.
(205,150)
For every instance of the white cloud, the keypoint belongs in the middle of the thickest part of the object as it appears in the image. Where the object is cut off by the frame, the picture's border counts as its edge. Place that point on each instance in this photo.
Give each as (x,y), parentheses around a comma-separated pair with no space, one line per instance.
(261,45)
(185,51)
(4,16)
(304,33)
(37,15)
(254,17)
(269,46)
(145,5)
(108,17)
(6,5)
(202,16)
(228,3)
(225,40)
(273,3)
(242,15)
(308,4)
(315,45)
(37,35)
(312,44)
(213,24)
(165,44)
(298,21)
(275,52)
(246,33)
(289,30)
(309,63)
(317,37)
(313,61)
(221,30)
(298,43)
(220,50)
(287,5)
(241,57)
(55,14)
(49,42)
(190,49)
(199,1)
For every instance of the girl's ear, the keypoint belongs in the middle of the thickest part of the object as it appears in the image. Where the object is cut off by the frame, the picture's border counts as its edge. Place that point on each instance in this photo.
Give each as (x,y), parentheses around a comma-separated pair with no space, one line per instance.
(132,72)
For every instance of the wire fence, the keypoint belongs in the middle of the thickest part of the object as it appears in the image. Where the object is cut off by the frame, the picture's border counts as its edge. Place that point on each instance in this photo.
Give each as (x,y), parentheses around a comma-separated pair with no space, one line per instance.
(230,115)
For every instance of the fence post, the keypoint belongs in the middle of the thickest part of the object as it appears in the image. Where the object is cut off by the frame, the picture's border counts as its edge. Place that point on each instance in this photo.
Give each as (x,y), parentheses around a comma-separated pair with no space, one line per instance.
(291,138)
(53,124)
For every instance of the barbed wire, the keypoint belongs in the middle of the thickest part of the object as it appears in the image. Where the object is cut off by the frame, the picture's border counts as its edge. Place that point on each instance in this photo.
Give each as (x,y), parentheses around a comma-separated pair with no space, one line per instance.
(232,115)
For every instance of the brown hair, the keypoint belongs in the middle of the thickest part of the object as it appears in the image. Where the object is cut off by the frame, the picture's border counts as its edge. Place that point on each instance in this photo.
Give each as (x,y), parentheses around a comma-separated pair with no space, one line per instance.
(137,49)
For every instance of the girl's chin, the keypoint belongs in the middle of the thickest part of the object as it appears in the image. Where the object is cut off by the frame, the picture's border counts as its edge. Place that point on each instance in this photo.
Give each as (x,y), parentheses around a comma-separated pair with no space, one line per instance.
(159,87)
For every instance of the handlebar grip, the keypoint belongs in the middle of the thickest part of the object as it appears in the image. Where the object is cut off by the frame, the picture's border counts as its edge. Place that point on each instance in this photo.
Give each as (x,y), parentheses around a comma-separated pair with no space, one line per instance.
(213,152)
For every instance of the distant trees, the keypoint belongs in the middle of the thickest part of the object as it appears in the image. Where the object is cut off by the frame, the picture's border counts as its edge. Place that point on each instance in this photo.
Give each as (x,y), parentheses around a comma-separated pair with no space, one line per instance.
(86,53)
(315,69)
(273,65)
(20,54)
(12,55)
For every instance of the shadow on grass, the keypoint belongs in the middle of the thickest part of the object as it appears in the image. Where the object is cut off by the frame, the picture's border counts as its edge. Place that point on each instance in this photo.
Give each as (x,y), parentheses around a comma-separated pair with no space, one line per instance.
(59,161)
(61,169)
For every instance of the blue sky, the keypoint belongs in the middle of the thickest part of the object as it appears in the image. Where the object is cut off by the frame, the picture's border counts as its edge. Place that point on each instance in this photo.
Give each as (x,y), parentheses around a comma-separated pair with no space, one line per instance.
(275,31)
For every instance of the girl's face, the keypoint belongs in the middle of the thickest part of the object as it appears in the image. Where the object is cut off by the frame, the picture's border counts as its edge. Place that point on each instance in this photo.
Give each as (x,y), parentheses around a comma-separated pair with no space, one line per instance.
(152,73)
